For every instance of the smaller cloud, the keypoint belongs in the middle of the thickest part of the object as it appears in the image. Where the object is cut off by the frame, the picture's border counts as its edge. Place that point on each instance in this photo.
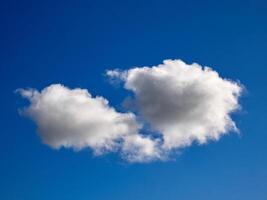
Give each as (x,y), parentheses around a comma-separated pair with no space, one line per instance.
(72,118)
(138,148)
(116,76)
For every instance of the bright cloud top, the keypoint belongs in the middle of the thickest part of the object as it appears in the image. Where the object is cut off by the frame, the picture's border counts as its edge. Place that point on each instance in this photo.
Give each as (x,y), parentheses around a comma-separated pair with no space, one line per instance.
(181,103)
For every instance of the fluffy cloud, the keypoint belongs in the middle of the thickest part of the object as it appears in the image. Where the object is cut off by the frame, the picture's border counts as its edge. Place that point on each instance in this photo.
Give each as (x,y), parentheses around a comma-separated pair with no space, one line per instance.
(181,103)
(184,103)
(72,118)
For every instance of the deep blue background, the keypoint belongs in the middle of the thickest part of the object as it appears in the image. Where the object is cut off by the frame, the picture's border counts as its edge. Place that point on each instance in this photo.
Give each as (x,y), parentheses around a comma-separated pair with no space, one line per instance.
(74,42)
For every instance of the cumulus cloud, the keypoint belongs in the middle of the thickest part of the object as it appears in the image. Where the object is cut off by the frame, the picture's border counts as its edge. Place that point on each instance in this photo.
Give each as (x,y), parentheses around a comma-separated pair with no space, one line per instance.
(184,103)
(72,118)
(181,103)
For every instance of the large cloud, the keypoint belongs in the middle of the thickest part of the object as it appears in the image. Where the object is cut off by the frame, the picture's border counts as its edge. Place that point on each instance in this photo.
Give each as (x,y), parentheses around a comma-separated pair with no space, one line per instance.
(181,103)
(184,103)
(72,118)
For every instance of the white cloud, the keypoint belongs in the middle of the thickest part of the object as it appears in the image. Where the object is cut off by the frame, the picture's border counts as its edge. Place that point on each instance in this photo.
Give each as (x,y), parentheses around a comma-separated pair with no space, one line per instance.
(184,103)
(137,148)
(72,118)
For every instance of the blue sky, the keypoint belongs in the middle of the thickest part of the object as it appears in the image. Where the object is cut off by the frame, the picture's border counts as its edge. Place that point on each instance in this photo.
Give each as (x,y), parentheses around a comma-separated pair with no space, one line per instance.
(74,42)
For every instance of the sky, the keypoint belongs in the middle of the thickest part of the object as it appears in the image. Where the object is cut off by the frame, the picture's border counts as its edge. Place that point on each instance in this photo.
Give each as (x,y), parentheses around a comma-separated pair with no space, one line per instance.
(99,51)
